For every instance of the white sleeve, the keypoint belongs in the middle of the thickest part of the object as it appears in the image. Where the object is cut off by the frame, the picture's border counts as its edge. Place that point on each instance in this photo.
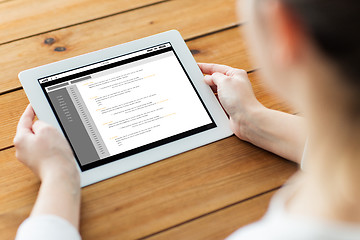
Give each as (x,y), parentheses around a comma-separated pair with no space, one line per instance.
(47,227)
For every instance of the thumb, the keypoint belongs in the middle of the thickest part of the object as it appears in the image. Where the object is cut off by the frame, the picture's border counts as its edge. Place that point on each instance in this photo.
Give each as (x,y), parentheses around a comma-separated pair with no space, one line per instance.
(218,78)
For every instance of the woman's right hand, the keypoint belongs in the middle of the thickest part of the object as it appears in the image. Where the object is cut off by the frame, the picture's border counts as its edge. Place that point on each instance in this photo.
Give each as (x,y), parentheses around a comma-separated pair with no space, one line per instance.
(235,94)
(43,149)
(47,153)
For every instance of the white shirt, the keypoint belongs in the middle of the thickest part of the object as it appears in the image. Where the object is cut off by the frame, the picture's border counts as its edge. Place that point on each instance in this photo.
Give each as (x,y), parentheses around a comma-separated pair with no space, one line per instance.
(277,224)
(47,227)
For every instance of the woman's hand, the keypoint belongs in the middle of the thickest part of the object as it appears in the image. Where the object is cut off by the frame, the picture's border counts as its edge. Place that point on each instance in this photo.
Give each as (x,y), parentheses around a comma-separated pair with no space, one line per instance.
(43,149)
(235,94)
(277,132)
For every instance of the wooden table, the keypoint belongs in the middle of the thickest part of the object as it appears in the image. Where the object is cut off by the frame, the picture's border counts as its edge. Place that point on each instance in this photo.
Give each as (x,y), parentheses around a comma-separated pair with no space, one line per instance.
(206,193)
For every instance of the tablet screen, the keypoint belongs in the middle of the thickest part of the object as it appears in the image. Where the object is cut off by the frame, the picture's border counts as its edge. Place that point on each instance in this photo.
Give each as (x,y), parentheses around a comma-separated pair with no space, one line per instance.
(125,105)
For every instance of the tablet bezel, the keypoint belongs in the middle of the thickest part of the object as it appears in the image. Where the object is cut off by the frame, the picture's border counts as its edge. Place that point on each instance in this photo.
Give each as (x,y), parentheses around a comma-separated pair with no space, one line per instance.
(29,80)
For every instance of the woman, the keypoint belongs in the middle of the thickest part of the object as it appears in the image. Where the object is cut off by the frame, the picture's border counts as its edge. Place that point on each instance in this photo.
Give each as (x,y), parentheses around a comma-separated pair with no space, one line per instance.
(309,54)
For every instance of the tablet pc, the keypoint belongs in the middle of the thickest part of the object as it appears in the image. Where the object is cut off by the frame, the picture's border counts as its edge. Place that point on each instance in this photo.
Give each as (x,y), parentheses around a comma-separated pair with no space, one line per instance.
(127,106)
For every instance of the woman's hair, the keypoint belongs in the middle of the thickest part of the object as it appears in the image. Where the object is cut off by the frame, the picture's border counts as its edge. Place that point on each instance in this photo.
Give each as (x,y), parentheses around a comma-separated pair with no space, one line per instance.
(334,26)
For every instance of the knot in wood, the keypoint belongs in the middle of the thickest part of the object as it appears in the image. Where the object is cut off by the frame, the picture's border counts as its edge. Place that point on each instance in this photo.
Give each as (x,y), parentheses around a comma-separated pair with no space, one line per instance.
(60,49)
(49,41)
(194,51)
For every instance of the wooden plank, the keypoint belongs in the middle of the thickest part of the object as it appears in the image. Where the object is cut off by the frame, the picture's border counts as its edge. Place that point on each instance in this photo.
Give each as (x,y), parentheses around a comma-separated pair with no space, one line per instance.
(220,224)
(227,47)
(156,197)
(20,190)
(22,18)
(178,14)
(14,103)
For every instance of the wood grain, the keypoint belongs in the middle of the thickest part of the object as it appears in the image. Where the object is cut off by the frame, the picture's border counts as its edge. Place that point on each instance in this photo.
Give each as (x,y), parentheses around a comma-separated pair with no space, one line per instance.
(22,18)
(12,105)
(220,224)
(182,15)
(156,197)
(226,47)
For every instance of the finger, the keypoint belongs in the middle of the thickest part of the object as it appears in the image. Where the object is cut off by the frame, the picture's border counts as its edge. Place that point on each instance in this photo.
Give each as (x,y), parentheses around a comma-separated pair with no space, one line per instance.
(39,125)
(24,126)
(218,78)
(26,120)
(210,68)
(209,80)
(214,89)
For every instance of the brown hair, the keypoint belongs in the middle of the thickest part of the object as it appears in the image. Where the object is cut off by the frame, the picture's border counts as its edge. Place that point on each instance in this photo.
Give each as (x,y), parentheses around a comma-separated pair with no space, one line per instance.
(334,26)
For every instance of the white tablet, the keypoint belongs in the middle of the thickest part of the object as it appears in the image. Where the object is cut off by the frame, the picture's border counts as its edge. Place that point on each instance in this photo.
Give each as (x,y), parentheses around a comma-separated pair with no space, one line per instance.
(127,106)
